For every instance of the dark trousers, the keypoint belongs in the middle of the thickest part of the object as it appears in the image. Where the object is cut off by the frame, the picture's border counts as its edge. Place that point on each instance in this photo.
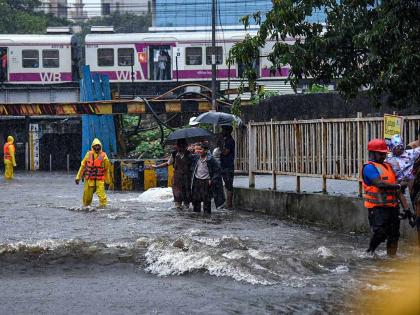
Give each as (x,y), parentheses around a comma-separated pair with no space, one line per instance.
(201,194)
(385,225)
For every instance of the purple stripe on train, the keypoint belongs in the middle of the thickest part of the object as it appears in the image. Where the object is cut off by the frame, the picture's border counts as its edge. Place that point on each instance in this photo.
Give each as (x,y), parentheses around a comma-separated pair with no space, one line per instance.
(203,74)
(125,75)
(284,72)
(46,77)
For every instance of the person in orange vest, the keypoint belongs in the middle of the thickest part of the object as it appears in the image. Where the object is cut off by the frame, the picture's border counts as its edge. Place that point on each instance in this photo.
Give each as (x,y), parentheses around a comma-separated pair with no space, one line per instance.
(95,171)
(9,158)
(382,194)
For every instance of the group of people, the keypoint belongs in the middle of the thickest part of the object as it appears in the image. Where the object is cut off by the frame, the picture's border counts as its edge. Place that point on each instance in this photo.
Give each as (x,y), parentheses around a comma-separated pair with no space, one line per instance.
(199,174)
(392,168)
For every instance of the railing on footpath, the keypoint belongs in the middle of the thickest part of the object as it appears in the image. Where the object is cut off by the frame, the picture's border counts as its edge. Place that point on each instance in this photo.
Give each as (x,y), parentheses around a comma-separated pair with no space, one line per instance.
(324,148)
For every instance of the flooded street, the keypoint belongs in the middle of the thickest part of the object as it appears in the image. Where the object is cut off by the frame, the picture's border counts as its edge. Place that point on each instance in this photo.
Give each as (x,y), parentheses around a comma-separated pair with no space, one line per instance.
(141,256)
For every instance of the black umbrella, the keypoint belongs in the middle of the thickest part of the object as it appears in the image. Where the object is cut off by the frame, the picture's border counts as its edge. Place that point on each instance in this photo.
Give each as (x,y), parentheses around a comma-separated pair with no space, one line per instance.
(189,134)
(218,118)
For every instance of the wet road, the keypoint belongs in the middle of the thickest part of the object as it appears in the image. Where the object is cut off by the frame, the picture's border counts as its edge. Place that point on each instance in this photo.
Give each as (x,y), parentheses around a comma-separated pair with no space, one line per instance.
(141,256)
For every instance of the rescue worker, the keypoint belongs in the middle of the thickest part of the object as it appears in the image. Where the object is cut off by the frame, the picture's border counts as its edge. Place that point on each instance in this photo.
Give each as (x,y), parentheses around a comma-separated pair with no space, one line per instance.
(95,170)
(9,158)
(381,195)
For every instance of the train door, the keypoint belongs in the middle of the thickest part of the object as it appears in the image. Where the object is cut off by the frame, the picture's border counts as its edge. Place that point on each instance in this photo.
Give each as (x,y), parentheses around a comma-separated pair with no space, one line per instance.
(3,64)
(160,59)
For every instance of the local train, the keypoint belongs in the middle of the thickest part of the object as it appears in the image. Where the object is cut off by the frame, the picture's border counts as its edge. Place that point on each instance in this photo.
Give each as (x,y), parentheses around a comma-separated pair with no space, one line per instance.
(125,58)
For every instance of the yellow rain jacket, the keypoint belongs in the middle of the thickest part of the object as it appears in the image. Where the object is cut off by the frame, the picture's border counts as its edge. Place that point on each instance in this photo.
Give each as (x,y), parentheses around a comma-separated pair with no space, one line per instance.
(94,185)
(9,158)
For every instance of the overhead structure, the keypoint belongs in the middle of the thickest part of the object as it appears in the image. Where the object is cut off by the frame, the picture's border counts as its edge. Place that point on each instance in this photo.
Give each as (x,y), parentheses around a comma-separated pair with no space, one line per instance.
(112,107)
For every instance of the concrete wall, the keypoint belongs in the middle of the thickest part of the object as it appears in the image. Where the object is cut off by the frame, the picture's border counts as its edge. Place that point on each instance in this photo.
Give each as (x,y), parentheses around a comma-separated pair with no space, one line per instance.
(315,106)
(342,213)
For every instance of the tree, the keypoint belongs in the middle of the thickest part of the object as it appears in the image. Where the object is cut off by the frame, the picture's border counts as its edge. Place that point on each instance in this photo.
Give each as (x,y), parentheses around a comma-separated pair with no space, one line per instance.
(366,44)
(21,17)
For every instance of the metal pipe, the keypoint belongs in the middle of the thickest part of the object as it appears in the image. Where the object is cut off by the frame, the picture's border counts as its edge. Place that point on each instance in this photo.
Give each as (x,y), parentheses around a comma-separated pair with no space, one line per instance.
(68,163)
(213,54)
(50,163)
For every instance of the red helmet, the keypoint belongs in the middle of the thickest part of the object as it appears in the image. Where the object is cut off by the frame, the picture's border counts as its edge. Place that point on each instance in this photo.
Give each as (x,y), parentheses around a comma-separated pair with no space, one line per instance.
(377,145)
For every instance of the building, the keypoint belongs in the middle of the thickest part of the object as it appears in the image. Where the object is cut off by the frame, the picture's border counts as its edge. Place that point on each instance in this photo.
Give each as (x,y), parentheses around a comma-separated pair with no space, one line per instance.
(77,12)
(57,8)
(125,6)
(197,13)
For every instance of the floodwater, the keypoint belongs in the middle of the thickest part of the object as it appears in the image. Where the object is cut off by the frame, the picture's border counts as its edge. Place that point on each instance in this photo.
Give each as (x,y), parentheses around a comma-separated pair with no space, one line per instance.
(141,256)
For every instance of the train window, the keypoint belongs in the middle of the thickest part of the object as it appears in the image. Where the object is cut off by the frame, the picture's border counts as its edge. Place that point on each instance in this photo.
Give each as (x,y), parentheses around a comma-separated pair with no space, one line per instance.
(125,56)
(105,57)
(194,56)
(51,58)
(219,55)
(30,58)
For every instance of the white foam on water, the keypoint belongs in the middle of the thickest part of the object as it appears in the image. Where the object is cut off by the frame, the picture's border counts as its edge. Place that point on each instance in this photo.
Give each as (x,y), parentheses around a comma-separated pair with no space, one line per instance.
(324,252)
(209,241)
(156,195)
(258,267)
(165,261)
(235,254)
(377,287)
(360,253)
(340,269)
(195,232)
(118,215)
(44,244)
(258,254)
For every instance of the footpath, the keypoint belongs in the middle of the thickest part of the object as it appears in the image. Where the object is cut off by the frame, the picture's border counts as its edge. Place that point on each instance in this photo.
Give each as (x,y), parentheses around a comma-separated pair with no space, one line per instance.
(339,209)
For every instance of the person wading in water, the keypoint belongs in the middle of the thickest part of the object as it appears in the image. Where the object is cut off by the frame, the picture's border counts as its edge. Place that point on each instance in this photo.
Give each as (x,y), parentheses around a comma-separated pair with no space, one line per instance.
(181,183)
(381,194)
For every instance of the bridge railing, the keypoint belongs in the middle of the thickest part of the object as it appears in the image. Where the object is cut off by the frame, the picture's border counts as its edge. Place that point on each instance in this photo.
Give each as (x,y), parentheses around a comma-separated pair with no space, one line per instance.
(324,148)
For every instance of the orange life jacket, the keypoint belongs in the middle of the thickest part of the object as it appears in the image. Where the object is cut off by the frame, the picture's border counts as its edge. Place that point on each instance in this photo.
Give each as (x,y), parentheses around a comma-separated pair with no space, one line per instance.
(376,197)
(94,168)
(6,150)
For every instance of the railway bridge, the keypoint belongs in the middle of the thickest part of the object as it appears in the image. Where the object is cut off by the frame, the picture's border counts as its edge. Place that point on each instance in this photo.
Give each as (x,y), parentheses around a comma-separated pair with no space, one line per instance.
(49,135)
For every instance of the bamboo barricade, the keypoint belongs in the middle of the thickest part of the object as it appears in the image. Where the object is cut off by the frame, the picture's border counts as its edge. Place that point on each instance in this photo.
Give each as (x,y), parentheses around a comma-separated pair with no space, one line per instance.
(325,148)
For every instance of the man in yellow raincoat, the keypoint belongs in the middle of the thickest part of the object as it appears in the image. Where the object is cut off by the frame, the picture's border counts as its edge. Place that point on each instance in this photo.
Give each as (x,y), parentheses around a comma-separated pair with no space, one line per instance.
(9,158)
(95,170)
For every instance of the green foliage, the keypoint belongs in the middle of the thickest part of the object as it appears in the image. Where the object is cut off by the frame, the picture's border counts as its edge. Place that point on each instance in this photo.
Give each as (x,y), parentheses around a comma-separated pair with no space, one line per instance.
(149,146)
(262,95)
(363,45)
(318,88)
(21,17)
(143,144)
(236,107)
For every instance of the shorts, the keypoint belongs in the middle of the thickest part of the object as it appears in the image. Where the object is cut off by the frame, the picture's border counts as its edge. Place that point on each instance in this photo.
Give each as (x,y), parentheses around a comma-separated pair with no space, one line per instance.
(228,175)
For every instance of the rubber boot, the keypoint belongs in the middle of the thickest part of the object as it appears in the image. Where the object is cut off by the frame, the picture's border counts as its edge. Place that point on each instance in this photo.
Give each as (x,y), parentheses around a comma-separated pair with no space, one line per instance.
(229,199)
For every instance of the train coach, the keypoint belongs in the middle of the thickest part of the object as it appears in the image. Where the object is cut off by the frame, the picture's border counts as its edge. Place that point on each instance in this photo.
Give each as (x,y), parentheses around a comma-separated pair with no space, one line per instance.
(168,56)
(136,63)
(39,59)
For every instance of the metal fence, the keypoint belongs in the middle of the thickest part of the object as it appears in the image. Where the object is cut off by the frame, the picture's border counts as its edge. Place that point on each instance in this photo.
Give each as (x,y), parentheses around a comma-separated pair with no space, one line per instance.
(325,148)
